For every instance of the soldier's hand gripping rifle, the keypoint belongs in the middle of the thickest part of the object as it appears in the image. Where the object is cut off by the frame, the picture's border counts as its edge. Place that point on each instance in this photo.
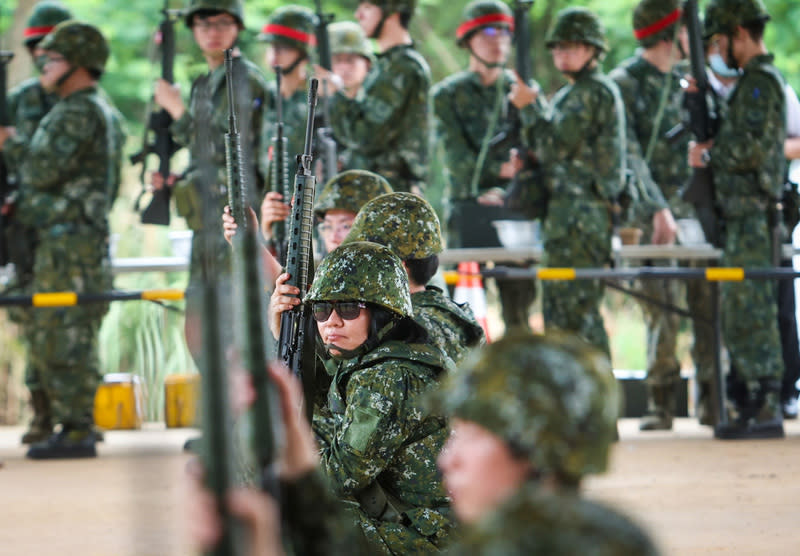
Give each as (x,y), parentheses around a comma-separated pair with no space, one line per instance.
(280,171)
(157,124)
(703,125)
(296,343)
(6,186)
(330,165)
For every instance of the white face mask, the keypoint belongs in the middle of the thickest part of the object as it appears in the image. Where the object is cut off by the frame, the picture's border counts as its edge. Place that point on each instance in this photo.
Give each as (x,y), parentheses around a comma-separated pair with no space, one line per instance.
(722,69)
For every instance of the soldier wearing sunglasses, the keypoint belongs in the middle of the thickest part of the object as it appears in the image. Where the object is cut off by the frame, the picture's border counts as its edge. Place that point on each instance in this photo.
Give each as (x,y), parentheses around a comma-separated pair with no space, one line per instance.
(378,450)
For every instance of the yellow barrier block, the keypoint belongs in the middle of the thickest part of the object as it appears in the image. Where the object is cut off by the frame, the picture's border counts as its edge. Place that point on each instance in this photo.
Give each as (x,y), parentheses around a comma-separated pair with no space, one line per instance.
(556,274)
(118,402)
(168,295)
(450,277)
(725,274)
(181,400)
(55,299)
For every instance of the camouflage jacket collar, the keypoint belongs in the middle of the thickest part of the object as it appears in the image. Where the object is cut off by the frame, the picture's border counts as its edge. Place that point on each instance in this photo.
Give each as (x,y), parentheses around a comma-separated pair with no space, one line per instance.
(420,354)
(397,50)
(473,77)
(87,91)
(757,62)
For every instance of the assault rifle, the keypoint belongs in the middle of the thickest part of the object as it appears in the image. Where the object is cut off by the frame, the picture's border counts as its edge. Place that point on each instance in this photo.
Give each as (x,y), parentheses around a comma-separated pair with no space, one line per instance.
(6,186)
(703,124)
(251,306)
(330,166)
(162,145)
(280,171)
(296,340)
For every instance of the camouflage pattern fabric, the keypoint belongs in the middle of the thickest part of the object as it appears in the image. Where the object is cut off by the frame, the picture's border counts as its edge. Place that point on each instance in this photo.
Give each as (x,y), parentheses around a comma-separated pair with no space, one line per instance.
(748,165)
(350,190)
(462,107)
(363,271)
(81,44)
(208,107)
(43,18)
(295,113)
(379,436)
(722,16)
(385,128)
(451,326)
(71,181)
(642,86)
(578,144)
(233,7)
(535,521)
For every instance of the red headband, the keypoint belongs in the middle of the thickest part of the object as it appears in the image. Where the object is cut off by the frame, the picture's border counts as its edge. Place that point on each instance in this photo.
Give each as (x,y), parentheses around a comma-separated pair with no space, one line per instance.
(37,31)
(659,25)
(470,25)
(288,32)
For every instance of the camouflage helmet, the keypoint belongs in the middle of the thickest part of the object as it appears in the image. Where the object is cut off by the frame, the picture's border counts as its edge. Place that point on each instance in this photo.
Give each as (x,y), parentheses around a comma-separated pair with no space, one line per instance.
(395,6)
(577,25)
(363,271)
(403,222)
(81,44)
(349,191)
(482,13)
(44,17)
(292,26)
(654,21)
(232,7)
(723,16)
(552,398)
(347,37)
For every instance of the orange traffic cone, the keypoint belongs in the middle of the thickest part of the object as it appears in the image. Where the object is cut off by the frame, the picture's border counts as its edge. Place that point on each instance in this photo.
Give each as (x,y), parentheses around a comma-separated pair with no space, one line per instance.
(469,289)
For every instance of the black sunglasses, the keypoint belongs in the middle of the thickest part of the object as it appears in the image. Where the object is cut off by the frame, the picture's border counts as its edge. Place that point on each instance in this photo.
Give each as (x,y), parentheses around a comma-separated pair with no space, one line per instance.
(347,310)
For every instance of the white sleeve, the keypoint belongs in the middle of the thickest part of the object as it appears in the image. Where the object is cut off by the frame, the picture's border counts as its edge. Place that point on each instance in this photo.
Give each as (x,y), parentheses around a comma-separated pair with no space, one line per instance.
(792,113)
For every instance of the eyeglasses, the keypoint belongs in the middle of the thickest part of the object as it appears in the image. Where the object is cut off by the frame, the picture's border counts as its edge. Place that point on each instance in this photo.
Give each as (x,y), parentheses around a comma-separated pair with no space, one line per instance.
(330,229)
(347,310)
(49,58)
(221,25)
(495,31)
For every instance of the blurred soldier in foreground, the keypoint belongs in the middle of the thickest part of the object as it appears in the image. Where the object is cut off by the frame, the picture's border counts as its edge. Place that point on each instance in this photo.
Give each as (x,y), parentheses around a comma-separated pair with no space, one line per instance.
(385,129)
(531,417)
(748,163)
(580,144)
(28,103)
(71,171)
(650,85)
(408,225)
(477,131)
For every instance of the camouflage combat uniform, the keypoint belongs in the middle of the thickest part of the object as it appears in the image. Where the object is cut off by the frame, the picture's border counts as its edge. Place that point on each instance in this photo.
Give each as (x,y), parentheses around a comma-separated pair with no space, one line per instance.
(463,108)
(578,144)
(71,172)
(385,128)
(643,88)
(747,161)
(451,326)
(378,447)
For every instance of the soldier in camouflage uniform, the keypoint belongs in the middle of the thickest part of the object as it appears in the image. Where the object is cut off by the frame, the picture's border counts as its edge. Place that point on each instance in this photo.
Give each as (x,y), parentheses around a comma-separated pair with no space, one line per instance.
(531,416)
(351,55)
(471,111)
(385,128)
(71,171)
(747,161)
(579,143)
(650,84)
(201,127)
(28,103)
(378,449)
(408,225)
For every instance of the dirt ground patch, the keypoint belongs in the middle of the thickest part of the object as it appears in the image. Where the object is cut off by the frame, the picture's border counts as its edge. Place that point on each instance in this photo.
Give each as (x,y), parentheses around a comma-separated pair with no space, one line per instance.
(695,494)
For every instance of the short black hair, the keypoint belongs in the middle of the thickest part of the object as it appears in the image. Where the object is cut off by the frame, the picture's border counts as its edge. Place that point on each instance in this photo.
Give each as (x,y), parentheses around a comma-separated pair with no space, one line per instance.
(405,19)
(405,329)
(420,271)
(755,28)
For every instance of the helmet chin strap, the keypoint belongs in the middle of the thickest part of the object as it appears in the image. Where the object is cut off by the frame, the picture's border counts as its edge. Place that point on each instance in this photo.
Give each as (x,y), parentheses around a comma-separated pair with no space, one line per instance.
(732,62)
(61,80)
(364,348)
(291,67)
(489,65)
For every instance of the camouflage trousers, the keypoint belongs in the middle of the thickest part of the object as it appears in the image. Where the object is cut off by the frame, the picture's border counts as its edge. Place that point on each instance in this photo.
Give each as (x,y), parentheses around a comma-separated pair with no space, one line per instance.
(749,308)
(574,306)
(63,354)
(663,326)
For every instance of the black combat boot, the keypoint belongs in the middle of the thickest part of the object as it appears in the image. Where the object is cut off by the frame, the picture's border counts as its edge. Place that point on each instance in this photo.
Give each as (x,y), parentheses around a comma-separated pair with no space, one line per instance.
(762,416)
(661,402)
(70,442)
(41,426)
